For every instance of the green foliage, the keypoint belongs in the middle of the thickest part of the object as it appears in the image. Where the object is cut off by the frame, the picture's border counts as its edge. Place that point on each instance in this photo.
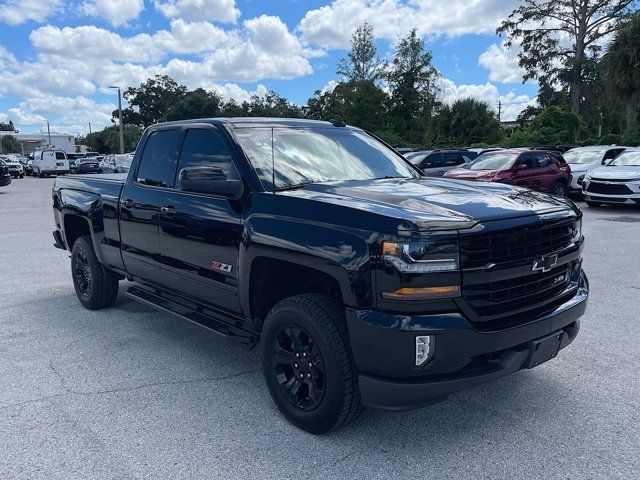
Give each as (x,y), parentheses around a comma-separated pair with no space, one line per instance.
(362,63)
(540,25)
(151,101)
(10,144)
(621,61)
(7,127)
(466,121)
(108,140)
(394,139)
(412,80)
(270,105)
(610,139)
(554,126)
(198,103)
(631,138)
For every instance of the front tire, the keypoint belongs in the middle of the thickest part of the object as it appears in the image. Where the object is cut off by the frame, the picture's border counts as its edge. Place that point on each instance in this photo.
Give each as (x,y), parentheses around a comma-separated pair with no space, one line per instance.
(96,287)
(307,363)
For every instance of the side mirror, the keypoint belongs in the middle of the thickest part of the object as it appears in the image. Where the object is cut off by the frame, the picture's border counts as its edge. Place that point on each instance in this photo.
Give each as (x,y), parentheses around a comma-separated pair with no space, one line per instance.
(209,180)
(427,165)
(521,166)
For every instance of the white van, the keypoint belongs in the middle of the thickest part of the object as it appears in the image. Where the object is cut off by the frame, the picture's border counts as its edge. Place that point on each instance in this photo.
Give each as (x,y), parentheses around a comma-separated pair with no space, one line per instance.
(50,162)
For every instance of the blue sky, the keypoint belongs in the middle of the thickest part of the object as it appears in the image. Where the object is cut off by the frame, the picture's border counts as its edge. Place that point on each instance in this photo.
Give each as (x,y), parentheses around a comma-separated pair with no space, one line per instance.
(58,58)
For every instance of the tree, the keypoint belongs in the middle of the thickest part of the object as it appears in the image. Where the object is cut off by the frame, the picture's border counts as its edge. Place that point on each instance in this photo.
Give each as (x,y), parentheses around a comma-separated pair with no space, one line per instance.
(198,103)
(362,63)
(465,122)
(620,63)
(108,140)
(540,25)
(151,101)
(413,90)
(7,127)
(554,126)
(270,105)
(10,144)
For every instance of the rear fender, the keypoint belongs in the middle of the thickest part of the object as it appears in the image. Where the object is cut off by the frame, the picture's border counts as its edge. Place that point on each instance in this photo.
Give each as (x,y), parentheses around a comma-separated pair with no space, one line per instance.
(87,206)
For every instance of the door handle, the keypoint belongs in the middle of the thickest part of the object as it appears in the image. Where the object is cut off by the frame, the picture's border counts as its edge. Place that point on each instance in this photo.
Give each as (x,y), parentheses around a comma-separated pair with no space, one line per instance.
(128,203)
(169,211)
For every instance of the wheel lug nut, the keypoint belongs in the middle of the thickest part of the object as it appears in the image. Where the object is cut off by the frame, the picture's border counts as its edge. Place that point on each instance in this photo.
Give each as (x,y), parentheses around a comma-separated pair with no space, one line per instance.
(297,355)
(310,365)
(295,365)
(302,375)
(308,375)
(304,354)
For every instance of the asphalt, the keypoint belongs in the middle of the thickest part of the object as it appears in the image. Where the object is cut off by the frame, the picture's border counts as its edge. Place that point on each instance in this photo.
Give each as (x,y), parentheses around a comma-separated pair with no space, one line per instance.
(131,393)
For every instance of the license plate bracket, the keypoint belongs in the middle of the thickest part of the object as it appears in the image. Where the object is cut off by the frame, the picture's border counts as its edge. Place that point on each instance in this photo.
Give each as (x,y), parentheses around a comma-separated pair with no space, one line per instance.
(544,349)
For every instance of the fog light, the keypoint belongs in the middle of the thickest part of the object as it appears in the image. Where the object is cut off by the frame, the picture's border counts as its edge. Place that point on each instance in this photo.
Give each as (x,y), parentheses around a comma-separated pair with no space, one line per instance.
(424,347)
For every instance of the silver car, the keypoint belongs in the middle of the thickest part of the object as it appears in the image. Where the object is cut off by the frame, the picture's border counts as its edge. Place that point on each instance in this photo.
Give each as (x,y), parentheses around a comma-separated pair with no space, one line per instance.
(435,163)
(119,163)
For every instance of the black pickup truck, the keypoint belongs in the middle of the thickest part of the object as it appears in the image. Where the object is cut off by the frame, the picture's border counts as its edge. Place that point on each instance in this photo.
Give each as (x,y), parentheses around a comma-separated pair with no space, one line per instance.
(364,282)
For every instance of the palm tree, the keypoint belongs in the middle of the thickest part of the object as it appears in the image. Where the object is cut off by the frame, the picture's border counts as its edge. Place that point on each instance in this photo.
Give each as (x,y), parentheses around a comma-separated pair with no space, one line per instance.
(622,62)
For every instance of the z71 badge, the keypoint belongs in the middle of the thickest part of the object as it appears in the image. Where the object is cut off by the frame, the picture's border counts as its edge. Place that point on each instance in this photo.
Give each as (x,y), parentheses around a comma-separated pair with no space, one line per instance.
(222,267)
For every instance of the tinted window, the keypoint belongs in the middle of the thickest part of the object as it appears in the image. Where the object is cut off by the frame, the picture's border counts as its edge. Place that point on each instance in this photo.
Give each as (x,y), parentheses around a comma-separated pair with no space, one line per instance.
(453,158)
(534,160)
(204,148)
(434,160)
(158,162)
(613,153)
(60,156)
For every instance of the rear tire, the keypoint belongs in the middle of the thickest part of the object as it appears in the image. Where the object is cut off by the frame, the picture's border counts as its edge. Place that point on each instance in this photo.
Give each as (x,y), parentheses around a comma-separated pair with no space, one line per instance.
(559,189)
(593,204)
(307,363)
(95,286)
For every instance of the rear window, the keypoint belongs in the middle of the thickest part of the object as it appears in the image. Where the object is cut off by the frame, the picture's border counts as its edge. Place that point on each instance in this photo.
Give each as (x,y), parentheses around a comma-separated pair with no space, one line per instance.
(60,156)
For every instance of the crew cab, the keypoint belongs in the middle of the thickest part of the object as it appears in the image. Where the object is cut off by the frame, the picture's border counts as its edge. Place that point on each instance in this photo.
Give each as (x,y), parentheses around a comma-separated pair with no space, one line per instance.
(537,170)
(364,282)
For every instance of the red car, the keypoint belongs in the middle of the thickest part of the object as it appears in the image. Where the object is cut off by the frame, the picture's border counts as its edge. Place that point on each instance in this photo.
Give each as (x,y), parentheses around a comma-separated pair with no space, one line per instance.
(538,170)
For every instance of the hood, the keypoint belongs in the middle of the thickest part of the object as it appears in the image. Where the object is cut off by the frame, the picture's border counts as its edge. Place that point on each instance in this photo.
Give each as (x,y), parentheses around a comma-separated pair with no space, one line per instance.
(434,202)
(582,167)
(616,173)
(468,173)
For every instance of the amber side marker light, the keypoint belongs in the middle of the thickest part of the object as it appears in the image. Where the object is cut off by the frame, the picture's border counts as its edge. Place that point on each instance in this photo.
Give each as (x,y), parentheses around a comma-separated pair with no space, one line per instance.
(423,293)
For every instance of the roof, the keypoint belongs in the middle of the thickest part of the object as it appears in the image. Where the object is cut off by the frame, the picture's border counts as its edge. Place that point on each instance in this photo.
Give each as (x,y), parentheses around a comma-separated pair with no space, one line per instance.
(240,122)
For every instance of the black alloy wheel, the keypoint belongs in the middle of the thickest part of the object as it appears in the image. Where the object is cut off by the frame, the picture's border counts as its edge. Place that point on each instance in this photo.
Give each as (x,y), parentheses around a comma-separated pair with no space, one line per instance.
(82,273)
(299,367)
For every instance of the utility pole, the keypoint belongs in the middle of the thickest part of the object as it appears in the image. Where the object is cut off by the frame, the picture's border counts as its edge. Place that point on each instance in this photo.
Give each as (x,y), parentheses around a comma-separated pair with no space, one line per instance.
(89,128)
(48,132)
(600,126)
(120,118)
(499,110)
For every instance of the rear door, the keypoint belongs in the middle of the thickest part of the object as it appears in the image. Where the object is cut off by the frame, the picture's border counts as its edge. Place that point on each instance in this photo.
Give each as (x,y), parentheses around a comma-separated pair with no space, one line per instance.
(140,204)
(533,176)
(200,233)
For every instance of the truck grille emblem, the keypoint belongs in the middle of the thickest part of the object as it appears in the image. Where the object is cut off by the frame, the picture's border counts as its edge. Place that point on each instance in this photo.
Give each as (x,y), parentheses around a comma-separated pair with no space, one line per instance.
(544,263)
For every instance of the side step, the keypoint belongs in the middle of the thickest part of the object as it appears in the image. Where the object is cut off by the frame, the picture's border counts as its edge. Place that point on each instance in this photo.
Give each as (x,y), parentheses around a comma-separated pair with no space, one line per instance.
(209,320)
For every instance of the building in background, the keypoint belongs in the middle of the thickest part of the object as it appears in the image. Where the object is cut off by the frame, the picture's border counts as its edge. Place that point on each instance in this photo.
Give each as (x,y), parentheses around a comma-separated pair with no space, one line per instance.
(37,141)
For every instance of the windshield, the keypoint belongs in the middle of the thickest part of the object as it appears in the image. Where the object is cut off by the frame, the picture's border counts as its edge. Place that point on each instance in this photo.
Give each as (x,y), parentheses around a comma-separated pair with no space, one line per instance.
(124,159)
(582,156)
(629,159)
(493,161)
(311,155)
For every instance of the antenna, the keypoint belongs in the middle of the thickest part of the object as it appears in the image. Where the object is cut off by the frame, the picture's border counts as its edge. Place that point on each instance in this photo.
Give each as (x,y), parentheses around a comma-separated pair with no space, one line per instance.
(338,121)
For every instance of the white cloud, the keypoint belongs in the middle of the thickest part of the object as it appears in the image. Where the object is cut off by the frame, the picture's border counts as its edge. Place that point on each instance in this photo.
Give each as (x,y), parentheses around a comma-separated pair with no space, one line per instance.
(15,12)
(199,10)
(502,63)
(329,87)
(331,26)
(116,12)
(512,103)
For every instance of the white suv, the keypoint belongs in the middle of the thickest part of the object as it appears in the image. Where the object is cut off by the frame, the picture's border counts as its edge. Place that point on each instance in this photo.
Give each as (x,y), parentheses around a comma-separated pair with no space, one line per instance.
(617,182)
(16,168)
(584,159)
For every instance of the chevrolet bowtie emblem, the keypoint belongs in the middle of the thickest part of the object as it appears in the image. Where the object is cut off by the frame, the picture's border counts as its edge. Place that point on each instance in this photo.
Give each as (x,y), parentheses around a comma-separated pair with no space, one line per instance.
(544,263)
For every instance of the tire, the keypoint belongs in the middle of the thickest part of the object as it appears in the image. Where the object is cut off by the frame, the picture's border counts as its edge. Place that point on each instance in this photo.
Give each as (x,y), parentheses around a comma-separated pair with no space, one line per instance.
(100,170)
(22,175)
(307,335)
(593,204)
(559,189)
(95,286)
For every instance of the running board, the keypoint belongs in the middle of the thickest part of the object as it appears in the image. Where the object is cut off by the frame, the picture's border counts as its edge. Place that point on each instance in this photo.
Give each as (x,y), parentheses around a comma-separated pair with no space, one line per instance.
(208,320)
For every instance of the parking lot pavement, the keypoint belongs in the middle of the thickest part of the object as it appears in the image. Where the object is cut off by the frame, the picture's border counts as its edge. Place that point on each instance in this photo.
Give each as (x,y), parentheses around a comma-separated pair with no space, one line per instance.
(128,392)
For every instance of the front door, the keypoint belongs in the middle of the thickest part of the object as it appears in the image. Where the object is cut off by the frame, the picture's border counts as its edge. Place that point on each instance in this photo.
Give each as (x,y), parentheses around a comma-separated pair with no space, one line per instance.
(140,204)
(200,233)
(532,176)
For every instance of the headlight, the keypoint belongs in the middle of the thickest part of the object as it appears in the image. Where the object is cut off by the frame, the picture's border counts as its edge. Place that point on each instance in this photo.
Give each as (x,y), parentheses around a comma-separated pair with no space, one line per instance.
(437,255)
(577,231)
(580,179)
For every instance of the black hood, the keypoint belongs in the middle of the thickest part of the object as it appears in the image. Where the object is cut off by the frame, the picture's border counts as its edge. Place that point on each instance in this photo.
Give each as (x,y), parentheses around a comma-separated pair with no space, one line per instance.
(439,203)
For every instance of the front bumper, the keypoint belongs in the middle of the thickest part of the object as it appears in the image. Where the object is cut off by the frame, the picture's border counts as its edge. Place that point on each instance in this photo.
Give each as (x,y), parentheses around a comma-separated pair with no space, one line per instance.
(383,346)
(86,170)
